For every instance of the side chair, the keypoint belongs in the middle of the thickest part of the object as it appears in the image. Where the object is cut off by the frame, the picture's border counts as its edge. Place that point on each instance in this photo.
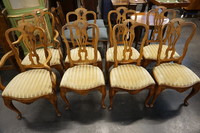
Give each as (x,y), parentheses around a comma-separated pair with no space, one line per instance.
(83,75)
(169,72)
(127,74)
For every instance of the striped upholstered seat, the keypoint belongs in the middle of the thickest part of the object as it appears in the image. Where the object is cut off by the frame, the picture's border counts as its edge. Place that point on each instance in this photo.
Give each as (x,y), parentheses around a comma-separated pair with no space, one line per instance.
(110,53)
(29,84)
(175,75)
(74,54)
(82,77)
(130,77)
(55,60)
(151,52)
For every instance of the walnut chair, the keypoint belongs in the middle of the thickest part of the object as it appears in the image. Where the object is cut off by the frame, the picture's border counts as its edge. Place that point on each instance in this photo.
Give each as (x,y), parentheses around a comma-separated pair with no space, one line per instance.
(117,17)
(83,75)
(83,14)
(155,24)
(127,74)
(174,75)
(43,19)
(36,79)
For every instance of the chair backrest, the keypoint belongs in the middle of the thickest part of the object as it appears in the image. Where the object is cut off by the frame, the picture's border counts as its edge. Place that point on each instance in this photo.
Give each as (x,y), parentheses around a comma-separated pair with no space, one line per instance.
(79,38)
(157,18)
(45,20)
(175,29)
(81,14)
(126,37)
(32,37)
(117,17)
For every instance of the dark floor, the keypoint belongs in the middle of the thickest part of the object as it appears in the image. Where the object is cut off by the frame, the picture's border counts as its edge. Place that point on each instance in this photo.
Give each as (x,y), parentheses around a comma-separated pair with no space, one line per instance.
(128,114)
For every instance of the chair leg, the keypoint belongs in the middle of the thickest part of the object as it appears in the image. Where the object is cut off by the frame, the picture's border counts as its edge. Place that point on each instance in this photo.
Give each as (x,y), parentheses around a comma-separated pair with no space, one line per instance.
(194,91)
(63,96)
(145,63)
(100,65)
(151,92)
(103,91)
(157,92)
(53,100)
(111,95)
(10,105)
(60,69)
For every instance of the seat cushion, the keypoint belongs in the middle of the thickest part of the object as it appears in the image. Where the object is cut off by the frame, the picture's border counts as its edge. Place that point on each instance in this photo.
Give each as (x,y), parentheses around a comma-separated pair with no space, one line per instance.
(130,77)
(151,52)
(103,35)
(175,75)
(29,84)
(110,53)
(74,54)
(55,60)
(99,23)
(82,77)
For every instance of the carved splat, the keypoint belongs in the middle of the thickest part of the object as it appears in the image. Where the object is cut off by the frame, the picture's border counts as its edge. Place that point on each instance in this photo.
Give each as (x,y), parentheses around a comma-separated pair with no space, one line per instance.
(127,28)
(79,38)
(171,37)
(117,17)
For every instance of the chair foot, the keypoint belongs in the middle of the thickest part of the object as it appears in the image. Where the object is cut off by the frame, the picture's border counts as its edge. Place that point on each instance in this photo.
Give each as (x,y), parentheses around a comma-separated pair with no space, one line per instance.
(103,106)
(19,117)
(67,108)
(110,108)
(186,103)
(10,105)
(149,105)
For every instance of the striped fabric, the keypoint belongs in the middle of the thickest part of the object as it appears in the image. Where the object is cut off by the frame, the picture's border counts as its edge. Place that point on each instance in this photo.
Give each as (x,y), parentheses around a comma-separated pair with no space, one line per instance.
(74,54)
(82,77)
(29,84)
(130,77)
(55,60)
(175,75)
(151,52)
(110,53)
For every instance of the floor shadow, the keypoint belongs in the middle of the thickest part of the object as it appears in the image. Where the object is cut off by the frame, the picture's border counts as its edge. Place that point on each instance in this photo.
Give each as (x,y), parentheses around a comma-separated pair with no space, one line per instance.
(129,108)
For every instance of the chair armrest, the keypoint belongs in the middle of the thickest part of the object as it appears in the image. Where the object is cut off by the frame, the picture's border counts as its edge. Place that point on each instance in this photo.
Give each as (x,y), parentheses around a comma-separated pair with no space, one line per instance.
(5,57)
(55,39)
(2,62)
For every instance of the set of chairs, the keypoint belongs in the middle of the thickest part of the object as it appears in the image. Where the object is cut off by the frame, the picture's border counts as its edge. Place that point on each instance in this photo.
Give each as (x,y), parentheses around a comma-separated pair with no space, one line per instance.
(83,73)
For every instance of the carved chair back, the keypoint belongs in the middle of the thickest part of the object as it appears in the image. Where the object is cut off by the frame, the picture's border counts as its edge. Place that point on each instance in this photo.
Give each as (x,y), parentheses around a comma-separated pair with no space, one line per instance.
(170,37)
(45,20)
(32,37)
(126,38)
(117,17)
(161,15)
(80,39)
(81,14)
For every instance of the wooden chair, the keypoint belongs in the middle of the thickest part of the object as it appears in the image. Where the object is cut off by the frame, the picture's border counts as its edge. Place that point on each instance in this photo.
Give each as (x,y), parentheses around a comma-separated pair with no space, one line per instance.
(174,75)
(46,20)
(117,17)
(36,79)
(127,76)
(83,75)
(155,24)
(83,14)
